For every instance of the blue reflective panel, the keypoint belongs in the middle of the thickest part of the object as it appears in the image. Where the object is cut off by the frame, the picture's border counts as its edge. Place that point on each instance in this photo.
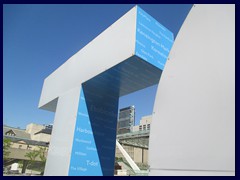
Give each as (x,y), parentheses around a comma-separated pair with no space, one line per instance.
(84,157)
(153,40)
(93,151)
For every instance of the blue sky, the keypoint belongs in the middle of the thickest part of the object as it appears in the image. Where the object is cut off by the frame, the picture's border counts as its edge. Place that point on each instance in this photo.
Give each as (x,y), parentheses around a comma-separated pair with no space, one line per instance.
(37,39)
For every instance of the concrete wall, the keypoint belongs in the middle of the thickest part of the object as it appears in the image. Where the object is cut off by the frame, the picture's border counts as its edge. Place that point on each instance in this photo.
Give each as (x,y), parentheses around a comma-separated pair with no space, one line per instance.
(145,156)
(20,154)
(146,120)
(42,137)
(138,155)
(33,128)
(19,145)
(135,128)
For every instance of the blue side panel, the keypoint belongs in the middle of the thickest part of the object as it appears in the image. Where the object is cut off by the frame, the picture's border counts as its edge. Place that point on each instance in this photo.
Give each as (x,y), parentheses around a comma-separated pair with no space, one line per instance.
(153,40)
(84,158)
(101,94)
(93,150)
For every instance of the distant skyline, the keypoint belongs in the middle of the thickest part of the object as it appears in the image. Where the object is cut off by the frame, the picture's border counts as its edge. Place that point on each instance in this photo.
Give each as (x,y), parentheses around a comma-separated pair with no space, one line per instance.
(37,39)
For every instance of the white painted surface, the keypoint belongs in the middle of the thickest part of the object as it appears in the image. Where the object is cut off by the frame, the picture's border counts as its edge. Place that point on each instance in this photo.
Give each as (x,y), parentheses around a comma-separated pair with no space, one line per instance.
(14,167)
(111,47)
(193,127)
(60,148)
(61,89)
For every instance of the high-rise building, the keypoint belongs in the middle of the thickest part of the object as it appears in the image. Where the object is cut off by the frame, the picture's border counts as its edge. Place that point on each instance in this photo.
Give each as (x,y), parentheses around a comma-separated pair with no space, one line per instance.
(126,120)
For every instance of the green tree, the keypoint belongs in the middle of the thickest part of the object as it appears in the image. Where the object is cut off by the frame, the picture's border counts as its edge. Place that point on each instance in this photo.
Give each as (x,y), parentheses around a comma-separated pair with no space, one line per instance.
(42,156)
(42,153)
(6,146)
(32,157)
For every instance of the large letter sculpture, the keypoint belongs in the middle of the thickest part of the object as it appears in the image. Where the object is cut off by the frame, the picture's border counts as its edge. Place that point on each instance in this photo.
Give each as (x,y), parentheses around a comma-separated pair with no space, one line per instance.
(128,56)
(193,128)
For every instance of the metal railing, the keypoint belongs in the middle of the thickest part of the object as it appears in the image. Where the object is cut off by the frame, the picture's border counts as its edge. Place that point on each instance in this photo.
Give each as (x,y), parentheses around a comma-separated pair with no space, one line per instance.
(134,134)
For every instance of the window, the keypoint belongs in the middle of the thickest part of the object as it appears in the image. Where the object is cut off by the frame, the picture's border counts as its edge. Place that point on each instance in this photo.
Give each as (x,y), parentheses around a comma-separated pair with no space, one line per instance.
(144,127)
(140,128)
(148,127)
(10,133)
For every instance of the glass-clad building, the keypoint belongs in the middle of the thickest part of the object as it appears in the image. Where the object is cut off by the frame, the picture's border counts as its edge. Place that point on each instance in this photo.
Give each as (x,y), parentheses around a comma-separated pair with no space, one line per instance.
(126,120)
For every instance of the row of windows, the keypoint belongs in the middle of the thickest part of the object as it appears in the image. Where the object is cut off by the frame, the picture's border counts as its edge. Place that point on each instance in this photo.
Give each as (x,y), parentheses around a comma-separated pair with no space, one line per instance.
(124,124)
(10,134)
(28,147)
(124,115)
(144,127)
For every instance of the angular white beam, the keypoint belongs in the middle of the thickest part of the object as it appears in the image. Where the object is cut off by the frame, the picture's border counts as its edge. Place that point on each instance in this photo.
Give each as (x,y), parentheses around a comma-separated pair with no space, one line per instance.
(84,92)
(127,157)
(111,47)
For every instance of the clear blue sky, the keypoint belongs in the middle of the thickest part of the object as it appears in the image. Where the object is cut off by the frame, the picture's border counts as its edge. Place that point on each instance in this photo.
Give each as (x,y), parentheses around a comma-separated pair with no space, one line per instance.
(37,39)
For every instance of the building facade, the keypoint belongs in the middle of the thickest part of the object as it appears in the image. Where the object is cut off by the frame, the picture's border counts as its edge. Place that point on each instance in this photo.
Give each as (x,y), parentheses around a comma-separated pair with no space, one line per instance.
(144,125)
(139,155)
(136,142)
(126,120)
(26,140)
(39,132)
